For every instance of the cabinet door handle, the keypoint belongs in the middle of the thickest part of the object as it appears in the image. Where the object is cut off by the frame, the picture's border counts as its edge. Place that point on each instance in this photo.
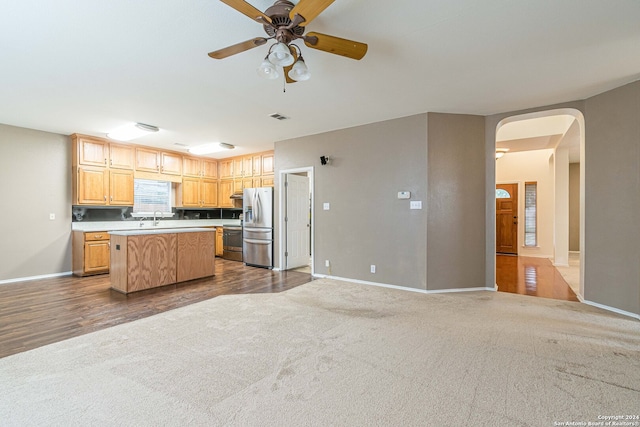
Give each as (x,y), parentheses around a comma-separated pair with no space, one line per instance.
(111,198)
(105,198)
(105,161)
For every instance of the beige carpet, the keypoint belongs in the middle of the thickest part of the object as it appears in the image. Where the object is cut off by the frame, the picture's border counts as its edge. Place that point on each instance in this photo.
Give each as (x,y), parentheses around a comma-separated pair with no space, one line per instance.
(335,353)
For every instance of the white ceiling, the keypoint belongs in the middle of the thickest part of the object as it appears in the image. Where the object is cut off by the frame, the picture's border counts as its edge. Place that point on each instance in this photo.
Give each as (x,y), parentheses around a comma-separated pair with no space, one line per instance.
(84,66)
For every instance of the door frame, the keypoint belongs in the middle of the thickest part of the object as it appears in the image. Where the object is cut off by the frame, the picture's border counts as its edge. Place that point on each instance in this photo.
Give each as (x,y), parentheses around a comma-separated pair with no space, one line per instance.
(490,207)
(283,212)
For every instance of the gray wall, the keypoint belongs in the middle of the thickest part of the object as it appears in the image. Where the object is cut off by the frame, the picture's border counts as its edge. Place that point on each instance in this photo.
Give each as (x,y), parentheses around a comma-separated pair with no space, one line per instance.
(367,224)
(456,200)
(35,172)
(612,197)
(574,207)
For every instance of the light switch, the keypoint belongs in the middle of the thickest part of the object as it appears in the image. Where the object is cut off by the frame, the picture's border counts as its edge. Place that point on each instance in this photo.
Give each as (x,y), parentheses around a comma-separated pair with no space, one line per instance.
(415,204)
(52,216)
(326,206)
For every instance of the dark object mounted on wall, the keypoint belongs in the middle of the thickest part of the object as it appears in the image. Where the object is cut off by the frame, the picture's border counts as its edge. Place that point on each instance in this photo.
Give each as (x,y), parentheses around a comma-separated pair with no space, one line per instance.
(324,160)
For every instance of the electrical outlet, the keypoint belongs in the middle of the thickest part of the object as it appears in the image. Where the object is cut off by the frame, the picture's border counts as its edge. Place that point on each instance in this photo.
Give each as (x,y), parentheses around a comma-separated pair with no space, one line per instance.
(326,206)
(326,263)
(52,216)
(373,268)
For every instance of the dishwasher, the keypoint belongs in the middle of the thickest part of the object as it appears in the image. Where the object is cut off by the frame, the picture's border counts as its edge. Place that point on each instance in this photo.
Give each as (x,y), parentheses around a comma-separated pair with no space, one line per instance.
(232,242)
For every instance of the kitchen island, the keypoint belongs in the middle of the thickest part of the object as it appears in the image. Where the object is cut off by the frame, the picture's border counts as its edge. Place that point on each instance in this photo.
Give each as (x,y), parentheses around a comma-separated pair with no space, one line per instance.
(144,259)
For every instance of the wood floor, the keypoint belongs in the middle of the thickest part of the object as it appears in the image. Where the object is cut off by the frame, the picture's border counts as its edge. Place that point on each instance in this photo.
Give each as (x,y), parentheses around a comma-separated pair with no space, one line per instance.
(531,276)
(41,312)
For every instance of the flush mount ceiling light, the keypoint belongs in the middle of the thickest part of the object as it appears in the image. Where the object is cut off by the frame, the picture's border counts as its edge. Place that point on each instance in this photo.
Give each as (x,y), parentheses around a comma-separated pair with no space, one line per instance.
(500,152)
(131,131)
(212,147)
(286,22)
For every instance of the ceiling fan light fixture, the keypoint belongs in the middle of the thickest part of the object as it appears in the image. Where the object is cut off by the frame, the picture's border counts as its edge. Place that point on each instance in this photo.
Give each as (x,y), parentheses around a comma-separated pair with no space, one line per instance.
(131,131)
(299,72)
(279,54)
(267,70)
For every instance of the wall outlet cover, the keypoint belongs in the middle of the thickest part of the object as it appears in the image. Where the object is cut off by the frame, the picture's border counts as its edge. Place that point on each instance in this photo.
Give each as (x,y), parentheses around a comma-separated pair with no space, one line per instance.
(326,206)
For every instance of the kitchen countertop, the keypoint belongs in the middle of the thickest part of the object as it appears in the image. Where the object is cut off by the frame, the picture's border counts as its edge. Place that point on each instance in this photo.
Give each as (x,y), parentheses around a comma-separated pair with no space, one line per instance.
(148,225)
(142,231)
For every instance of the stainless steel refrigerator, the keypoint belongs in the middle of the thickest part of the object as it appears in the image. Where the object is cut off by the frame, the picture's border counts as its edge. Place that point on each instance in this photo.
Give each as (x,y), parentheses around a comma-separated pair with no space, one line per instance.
(257,231)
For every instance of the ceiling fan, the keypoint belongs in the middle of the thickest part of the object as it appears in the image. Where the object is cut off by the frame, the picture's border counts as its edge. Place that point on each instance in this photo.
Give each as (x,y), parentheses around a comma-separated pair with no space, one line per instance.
(285,22)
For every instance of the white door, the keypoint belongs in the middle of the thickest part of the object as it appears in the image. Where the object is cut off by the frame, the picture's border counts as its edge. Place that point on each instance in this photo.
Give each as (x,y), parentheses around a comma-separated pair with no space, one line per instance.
(297,221)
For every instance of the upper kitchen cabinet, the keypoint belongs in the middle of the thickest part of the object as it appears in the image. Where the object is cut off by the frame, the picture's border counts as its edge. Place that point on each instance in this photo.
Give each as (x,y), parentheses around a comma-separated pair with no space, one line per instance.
(121,156)
(102,172)
(197,167)
(256,165)
(92,151)
(267,164)
(225,168)
(153,164)
(102,187)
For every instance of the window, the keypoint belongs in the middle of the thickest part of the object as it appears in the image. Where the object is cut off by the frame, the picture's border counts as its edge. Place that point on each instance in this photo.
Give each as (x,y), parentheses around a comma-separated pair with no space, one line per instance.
(502,194)
(530,214)
(151,196)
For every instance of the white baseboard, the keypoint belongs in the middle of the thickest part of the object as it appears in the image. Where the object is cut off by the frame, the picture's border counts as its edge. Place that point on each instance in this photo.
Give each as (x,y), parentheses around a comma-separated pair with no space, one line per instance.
(403,288)
(42,276)
(560,264)
(608,308)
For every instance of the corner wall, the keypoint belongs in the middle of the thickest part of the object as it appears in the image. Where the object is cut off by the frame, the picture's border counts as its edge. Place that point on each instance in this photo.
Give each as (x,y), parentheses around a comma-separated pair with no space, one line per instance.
(612,194)
(35,171)
(367,223)
(456,200)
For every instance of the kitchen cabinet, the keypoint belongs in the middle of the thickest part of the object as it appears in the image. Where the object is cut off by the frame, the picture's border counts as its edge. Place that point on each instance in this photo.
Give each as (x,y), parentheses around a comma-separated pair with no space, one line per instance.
(103,187)
(153,164)
(199,192)
(121,156)
(225,192)
(219,241)
(267,181)
(90,253)
(256,165)
(144,259)
(91,151)
(195,167)
(247,166)
(267,163)
(225,169)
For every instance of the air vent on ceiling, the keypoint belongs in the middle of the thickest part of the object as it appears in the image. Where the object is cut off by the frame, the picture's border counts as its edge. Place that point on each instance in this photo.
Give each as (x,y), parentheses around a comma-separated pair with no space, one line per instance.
(180,144)
(278,116)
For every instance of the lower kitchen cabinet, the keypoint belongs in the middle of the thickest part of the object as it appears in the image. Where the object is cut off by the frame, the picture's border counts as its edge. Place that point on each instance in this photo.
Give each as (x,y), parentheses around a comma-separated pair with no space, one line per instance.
(90,253)
(219,241)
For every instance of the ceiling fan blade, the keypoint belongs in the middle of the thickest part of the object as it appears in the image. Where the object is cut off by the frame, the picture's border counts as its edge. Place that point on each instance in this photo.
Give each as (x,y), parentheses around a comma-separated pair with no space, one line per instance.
(237,48)
(309,9)
(336,45)
(246,9)
(288,68)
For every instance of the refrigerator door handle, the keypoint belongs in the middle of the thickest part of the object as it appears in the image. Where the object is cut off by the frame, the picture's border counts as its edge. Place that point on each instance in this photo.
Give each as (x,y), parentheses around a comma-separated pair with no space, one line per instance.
(258,242)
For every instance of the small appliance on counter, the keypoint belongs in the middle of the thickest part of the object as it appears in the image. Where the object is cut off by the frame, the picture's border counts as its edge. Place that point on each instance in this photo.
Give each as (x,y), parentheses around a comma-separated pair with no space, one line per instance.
(257,216)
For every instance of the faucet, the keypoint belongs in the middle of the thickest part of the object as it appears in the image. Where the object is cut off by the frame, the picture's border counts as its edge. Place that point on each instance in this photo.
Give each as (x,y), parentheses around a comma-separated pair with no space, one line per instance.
(156,221)
(141,223)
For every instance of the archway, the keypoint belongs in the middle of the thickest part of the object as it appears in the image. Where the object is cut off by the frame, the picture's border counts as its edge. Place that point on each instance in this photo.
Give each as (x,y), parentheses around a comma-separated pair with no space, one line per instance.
(557,137)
